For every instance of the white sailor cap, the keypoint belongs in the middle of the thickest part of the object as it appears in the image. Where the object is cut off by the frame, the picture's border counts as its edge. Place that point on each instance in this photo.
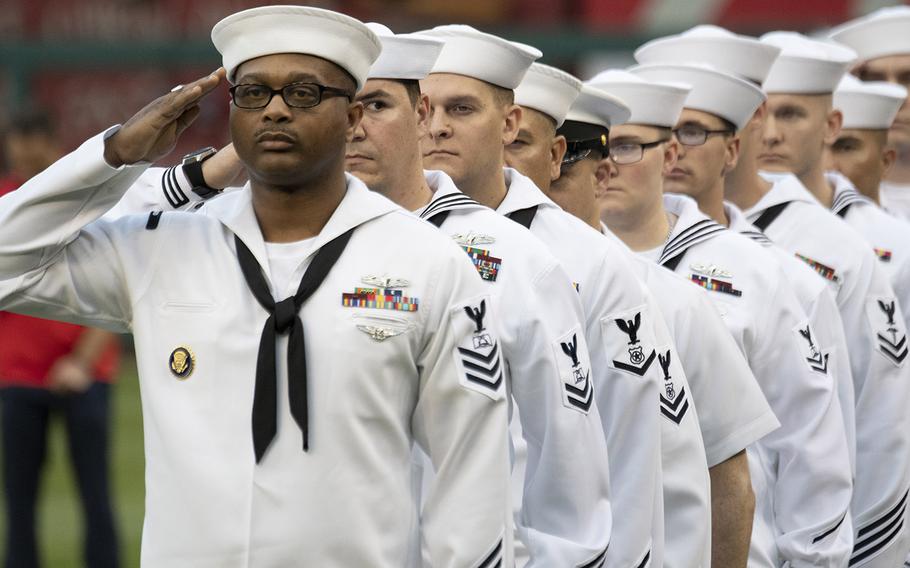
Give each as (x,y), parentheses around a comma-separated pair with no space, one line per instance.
(650,102)
(726,51)
(548,90)
(596,106)
(713,91)
(270,30)
(883,32)
(871,105)
(806,66)
(482,56)
(404,56)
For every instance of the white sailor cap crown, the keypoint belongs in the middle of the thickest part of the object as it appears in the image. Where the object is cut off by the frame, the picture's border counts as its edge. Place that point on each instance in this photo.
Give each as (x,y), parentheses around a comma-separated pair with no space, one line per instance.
(650,102)
(269,30)
(473,53)
(806,66)
(404,56)
(726,51)
(596,106)
(883,32)
(548,90)
(868,105)
(712,91)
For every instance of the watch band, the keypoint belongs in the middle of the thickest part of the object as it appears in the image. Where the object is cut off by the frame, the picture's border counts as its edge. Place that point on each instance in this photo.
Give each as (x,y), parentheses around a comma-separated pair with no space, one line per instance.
(192,169)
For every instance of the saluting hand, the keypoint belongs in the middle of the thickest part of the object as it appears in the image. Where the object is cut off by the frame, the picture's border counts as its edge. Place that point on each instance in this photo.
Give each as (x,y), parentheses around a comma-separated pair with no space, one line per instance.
(153,131)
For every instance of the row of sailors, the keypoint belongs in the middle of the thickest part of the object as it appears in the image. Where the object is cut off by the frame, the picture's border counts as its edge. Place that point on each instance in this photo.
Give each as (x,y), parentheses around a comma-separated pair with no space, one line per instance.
(758,417)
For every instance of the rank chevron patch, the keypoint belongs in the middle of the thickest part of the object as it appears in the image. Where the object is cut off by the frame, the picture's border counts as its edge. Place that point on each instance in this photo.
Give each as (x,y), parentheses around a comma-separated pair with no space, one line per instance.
(627,336)
(891,336)
(478,357)
(574,365)
(673,403)
(815,357)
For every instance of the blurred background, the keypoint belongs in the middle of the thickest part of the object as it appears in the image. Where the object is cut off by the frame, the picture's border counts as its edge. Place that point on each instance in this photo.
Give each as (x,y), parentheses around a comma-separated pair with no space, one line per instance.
(93,63)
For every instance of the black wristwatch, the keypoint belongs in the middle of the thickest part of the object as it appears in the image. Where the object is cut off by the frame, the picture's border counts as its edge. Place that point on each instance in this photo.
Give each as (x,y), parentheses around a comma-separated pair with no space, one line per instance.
(192,169)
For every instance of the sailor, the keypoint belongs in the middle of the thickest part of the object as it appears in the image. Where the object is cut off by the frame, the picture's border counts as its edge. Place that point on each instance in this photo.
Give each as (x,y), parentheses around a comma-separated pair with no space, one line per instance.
(797,517)
(390,310)
(561,472)
(860,156)
(473,117)
(882,44)
(732,411)
(793,210)
(751,60)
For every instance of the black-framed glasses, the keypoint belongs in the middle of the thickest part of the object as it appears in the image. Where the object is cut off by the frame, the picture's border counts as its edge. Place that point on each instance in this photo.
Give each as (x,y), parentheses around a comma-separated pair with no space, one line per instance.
(691,135)
(625,153)
(295,95)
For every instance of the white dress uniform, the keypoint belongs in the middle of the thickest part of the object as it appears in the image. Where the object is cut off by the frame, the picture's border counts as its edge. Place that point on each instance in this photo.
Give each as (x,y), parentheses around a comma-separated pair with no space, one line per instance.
(622,343)
(825,344)
(388,335)
(889,237)
(560,469)
(732,411)
(794,220)
(895,199)
(801,471)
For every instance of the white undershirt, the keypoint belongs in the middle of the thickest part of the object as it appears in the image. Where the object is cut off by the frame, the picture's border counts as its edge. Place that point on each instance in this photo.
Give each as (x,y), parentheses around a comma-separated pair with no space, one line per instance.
(284,262)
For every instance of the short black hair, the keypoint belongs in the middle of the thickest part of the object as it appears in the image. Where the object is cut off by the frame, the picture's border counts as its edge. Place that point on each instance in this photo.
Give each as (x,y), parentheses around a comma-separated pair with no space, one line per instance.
(412,86)
(31,120)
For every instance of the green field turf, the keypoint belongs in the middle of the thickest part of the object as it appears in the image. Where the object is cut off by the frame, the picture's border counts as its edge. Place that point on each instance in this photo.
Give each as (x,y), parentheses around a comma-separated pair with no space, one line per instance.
(60,515)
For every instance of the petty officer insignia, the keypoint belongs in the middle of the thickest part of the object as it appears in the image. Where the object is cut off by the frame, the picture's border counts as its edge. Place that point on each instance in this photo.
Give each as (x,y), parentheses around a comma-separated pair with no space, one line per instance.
(182,362)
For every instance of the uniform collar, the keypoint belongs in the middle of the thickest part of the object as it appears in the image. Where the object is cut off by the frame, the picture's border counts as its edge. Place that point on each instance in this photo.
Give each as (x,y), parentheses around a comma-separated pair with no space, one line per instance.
(845,193)
(785,188)
(359,205)
(692,226)
(521,193)
(446,196)
(739,224)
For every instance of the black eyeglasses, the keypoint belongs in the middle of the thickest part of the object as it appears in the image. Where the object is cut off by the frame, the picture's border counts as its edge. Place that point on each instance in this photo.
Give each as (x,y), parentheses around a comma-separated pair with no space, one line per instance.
(691,135)
(295,95)
(625,153)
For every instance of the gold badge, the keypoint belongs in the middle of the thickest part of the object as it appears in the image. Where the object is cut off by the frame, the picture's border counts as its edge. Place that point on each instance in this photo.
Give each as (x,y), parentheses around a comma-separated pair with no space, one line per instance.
(182,362)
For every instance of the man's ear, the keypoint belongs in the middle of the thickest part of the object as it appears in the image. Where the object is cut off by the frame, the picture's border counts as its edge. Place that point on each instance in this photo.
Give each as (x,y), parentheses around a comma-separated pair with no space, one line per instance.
(671,153)
(889,156)
(423,115)
(511,125)
(355,115)
(731,155)
(557,153)
(833,125)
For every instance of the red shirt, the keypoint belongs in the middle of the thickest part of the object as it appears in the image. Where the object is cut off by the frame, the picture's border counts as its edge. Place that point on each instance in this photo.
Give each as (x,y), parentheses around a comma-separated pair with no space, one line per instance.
(30,346)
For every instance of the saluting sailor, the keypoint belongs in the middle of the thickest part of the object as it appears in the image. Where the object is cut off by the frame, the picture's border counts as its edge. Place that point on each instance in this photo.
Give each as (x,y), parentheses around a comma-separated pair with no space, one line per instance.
(882,44)
(747,286)
(473,116)
(220,303)
(798,120)
(732,411)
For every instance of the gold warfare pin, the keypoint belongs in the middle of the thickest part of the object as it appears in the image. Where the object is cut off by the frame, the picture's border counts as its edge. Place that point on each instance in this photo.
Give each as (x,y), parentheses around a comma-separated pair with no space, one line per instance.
(182,362)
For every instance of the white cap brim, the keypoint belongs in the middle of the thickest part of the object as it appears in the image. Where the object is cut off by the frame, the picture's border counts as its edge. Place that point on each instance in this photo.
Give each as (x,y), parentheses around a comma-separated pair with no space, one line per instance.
(868,106)
(714,92)
(650,103)
(271,30)
(880,34)
(548,90)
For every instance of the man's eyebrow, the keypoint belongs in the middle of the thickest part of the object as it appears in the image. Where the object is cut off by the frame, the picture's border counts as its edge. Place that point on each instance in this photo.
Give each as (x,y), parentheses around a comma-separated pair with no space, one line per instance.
(695,122)
(462,100)
(375,94)
(627,139)
(524,133)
